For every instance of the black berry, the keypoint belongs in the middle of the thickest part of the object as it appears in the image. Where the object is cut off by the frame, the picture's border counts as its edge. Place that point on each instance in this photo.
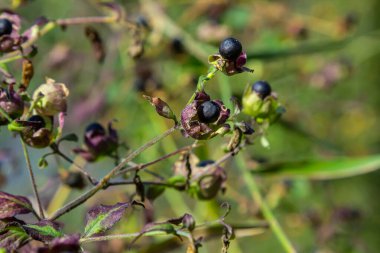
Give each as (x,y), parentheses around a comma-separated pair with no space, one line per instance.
(230,49)
(262,88)
(205,163)
(5,26)
(95,128)
(208,112)
(37,122)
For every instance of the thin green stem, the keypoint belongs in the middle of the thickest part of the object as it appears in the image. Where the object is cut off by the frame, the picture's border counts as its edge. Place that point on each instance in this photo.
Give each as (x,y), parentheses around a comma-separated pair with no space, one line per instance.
(267,212)
(202,81)
(32,179)
(129,236)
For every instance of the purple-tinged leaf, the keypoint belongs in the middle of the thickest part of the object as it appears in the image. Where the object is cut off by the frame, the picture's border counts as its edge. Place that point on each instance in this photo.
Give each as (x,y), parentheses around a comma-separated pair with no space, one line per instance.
(44,230)
(101,218)
(12,234)
(69,243)
(11,205)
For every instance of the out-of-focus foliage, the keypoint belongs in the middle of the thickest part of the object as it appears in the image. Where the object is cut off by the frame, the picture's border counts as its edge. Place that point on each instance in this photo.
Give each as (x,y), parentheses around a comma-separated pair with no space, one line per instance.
(322,60)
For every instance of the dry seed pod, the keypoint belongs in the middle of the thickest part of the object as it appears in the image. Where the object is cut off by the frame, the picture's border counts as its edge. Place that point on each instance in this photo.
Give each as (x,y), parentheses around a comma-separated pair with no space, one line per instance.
(27,73)
(51,98)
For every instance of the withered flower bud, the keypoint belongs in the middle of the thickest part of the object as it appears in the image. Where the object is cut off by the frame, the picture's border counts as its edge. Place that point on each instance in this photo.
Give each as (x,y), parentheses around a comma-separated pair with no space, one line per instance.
(11,103)
(38,131)
(210,184)
(73,179)
(51,98)
(203,117)
(98,142)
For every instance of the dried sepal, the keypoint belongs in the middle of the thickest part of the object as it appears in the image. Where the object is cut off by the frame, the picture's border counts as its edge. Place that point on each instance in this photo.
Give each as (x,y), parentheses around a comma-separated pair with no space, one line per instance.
(199,125)
(162,108)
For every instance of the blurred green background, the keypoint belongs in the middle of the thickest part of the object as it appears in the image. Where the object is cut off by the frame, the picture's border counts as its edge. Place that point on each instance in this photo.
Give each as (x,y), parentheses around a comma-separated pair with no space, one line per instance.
(321,58)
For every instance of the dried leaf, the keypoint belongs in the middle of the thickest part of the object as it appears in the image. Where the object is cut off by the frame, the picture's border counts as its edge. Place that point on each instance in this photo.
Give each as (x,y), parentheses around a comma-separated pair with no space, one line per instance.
(101,218)
(11,205)
(27,73)
(162,108)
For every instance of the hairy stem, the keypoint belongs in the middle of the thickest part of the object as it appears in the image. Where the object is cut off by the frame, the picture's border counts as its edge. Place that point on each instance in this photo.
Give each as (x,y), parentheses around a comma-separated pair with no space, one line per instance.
(32,179)
(105,180)
(267,212)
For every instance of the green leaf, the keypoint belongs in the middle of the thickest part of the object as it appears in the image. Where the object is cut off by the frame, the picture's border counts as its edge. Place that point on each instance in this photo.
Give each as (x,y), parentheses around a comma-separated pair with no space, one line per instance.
(339,167)
(44,232)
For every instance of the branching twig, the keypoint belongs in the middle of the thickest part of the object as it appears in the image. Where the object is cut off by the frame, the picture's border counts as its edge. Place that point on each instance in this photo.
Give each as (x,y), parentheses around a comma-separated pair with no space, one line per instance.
(90,178)
(104,181)
(144,165)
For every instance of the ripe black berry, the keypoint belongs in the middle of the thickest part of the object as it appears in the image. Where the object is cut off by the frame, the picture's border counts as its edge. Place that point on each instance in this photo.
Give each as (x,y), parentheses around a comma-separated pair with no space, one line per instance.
(262,88)
(37,122)
(230,49)
(208,112)
(5,26)
(205,163)
(95,128)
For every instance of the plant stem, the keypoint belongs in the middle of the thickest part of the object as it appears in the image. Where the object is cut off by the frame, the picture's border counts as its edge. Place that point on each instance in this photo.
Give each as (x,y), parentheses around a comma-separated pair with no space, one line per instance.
(104,181)
(56,150)
(127,236)
(5,114)
(131,182)
(50,26)
(32,179)
(144,165)
(258,198)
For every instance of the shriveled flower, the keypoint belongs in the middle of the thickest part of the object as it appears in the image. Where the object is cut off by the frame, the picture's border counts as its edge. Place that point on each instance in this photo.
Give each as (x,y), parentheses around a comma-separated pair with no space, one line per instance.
(203,117)
(37,131)
(98,142)
(11,103)
(231,58)
(210,183)
(51,98)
